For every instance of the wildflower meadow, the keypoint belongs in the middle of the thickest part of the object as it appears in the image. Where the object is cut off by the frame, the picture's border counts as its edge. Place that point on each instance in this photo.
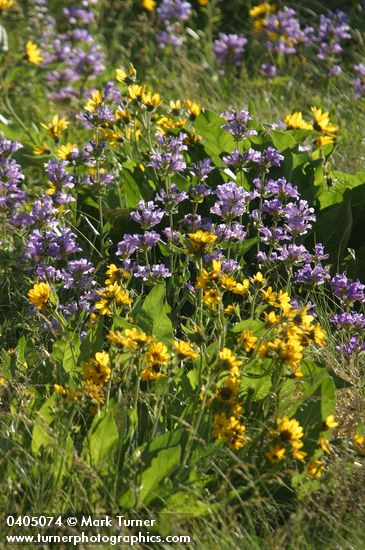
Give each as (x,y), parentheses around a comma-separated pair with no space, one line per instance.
(182,273)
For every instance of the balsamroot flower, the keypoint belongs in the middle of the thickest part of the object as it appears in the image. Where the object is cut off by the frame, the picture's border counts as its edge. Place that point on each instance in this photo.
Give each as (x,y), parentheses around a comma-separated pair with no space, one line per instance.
(39,295)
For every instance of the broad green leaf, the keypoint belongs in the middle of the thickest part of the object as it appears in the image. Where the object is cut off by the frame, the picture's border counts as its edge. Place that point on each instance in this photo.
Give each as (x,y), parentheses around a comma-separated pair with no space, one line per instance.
(93,341)
(66,353)
(161,467)
(153,315)
(41,436)
(101,440)
(333,230)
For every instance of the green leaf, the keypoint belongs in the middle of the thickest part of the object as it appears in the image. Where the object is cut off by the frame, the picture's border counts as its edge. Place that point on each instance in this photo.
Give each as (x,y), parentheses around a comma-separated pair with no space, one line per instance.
(283,140)
(41,436)
(216,140)
(333,230)
(93,341)
(328,397)
(66,353)
(161,467)
(101,440)
(153,315)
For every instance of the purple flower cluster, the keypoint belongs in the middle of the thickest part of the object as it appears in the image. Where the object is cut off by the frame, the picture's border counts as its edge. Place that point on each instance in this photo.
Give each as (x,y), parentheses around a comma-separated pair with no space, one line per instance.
(61,181)
(346,290)
(359,80)
(237,124)
(268,158)
(169,157)
(148,214)
(229,50)
(283,32)
(12,196)
(232,201)
(73,56)
(333,29)
(172,14)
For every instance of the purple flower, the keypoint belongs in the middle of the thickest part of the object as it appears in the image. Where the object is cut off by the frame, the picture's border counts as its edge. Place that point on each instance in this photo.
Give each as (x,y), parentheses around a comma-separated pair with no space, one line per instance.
(281,188)
(346,290)
(236,124)
(148,214)
(312,275)
(171,198)
(359,81)
(351,320)
(199,192)
(152,272)
(78,274)
(8,147)
(232,201)
(293,253)
(354,345)
(229,49)
(174,11)
(202,169)
(298,217)
(169,157)
(231,232)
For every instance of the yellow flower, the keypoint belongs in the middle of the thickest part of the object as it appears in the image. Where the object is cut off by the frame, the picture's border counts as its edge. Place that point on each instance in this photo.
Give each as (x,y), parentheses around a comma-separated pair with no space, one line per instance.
(132,339)
(94,102)
(276,453)
(212,297)
(112,294)
(65,151)
(247,340)
(6,4)
(272,319)
(324,444)
(39,295)
(193,109)
(33,53)
(98,369)
(60,389)
(230,429)
(157,354)
(298,455)
(136,91)
(56,126)
(241,288)
(261,10)
(359,443)
(41,150)
(151,374)
(318,335)
(289,430)
(321,122)
(150,100)
(227,282)
(184,350)
(228,359)
(203,2)
(176,107)
(228,391)
(315,468)
(149,5)
(258,279)
(321,141)
(201,241)
(124,115)
(111,271)
(94,392)
(126,76)
(295,121)
(229,309)
(330,423)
